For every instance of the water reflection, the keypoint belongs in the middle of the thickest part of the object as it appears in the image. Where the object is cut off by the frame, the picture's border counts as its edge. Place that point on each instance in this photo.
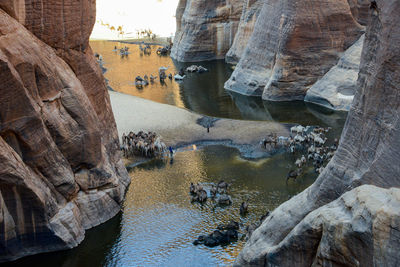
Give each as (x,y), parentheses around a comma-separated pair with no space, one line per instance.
(204,93)
(159,224)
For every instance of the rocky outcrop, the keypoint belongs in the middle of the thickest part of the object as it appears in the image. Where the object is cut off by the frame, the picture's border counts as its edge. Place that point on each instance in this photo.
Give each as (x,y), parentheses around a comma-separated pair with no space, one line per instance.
(60,167)
(294,43)
(206,29)
(250,12)
(368,153)
(361,228)
(337,88)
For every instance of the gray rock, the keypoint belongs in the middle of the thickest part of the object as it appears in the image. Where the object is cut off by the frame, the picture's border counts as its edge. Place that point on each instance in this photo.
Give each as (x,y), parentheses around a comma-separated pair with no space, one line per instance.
(368,154)
(361,228)
(251,10)
(292,47)
(206,29)
(337,88)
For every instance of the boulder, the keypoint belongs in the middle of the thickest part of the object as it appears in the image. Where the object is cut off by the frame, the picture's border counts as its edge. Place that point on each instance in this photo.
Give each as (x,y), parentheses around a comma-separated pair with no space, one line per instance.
(60,169)
(205,29)
(337,88)
(294,43)
(368,153)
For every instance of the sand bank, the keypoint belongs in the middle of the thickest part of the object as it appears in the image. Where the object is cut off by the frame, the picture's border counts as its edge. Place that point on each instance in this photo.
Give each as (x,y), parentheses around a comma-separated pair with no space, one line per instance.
(180,127)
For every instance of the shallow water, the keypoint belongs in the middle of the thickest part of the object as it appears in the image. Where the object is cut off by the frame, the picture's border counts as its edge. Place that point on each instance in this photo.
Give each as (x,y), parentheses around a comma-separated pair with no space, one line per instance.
(159,223)
(202,93)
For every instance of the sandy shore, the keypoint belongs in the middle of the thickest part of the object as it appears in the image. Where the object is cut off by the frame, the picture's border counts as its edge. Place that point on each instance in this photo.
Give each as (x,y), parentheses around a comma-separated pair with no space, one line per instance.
(179,127)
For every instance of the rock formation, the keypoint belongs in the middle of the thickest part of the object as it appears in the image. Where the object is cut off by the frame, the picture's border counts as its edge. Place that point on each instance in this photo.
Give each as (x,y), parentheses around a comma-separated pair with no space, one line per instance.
(60,166)
(358,229)
(294,43)
(206,29)
(337,88)
(250,12)
(359,9)
(368,153)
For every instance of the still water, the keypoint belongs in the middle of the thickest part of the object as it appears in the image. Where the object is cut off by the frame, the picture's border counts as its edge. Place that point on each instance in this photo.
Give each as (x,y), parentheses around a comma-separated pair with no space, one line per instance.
(159,223)
(202,93)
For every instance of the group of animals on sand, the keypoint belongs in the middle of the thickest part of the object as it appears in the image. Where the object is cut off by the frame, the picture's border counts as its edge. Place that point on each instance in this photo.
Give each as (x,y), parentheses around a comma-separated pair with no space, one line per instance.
(142,144)
(309,143)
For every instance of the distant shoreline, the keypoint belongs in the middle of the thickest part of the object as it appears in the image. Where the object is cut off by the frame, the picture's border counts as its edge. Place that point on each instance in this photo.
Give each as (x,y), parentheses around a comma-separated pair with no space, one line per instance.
(161,41)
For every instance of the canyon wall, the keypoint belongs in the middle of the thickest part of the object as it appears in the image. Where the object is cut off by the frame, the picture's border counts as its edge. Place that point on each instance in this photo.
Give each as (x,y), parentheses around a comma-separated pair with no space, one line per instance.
(60,168)
(281,48)
(205,29)
(250,12)
(294,43)
(337,221)
(336,89)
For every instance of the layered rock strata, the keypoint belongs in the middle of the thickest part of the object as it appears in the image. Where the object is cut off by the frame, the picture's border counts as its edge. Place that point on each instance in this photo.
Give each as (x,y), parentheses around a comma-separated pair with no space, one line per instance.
(206,29)
(250,12)
(368,153)
(294,43)
(337,88)
(60,167)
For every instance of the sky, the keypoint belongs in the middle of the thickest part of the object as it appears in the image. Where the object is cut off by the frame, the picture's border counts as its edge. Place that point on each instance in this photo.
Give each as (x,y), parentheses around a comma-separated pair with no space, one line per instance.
(157,15)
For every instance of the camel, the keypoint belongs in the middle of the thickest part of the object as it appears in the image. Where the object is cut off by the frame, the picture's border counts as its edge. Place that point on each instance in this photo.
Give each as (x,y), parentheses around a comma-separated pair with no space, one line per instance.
(244,208)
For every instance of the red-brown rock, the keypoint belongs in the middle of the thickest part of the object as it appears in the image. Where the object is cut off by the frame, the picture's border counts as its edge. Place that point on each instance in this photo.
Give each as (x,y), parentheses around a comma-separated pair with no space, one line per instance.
(60,167)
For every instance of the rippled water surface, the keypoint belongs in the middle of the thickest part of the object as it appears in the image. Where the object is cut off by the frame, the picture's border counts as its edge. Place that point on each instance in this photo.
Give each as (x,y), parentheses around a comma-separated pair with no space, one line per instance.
(159,223)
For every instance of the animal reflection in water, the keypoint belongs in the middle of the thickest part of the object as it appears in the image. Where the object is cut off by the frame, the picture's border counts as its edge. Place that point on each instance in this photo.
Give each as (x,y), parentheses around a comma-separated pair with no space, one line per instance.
(225,233)
(143,144)
(310,142)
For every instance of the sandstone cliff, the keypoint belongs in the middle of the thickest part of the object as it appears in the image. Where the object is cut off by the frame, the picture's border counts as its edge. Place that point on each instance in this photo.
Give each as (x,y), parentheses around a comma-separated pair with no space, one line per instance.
(60,167)
(368,154)
(337,88)
(294,43)
(206,29)
(250,12)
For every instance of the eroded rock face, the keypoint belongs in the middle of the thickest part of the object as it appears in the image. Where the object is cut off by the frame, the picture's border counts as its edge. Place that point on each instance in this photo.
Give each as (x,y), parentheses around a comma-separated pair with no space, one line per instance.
(359,9)
(250,12)
(60,167)
(337,88)
(368,154)
(206,29)
(294,43)
(358,229)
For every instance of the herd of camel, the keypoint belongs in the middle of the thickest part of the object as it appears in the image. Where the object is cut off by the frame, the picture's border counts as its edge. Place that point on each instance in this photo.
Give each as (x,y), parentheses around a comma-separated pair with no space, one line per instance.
(225,233)
(162,75)
(310,142)
(145,49)
(142,144)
